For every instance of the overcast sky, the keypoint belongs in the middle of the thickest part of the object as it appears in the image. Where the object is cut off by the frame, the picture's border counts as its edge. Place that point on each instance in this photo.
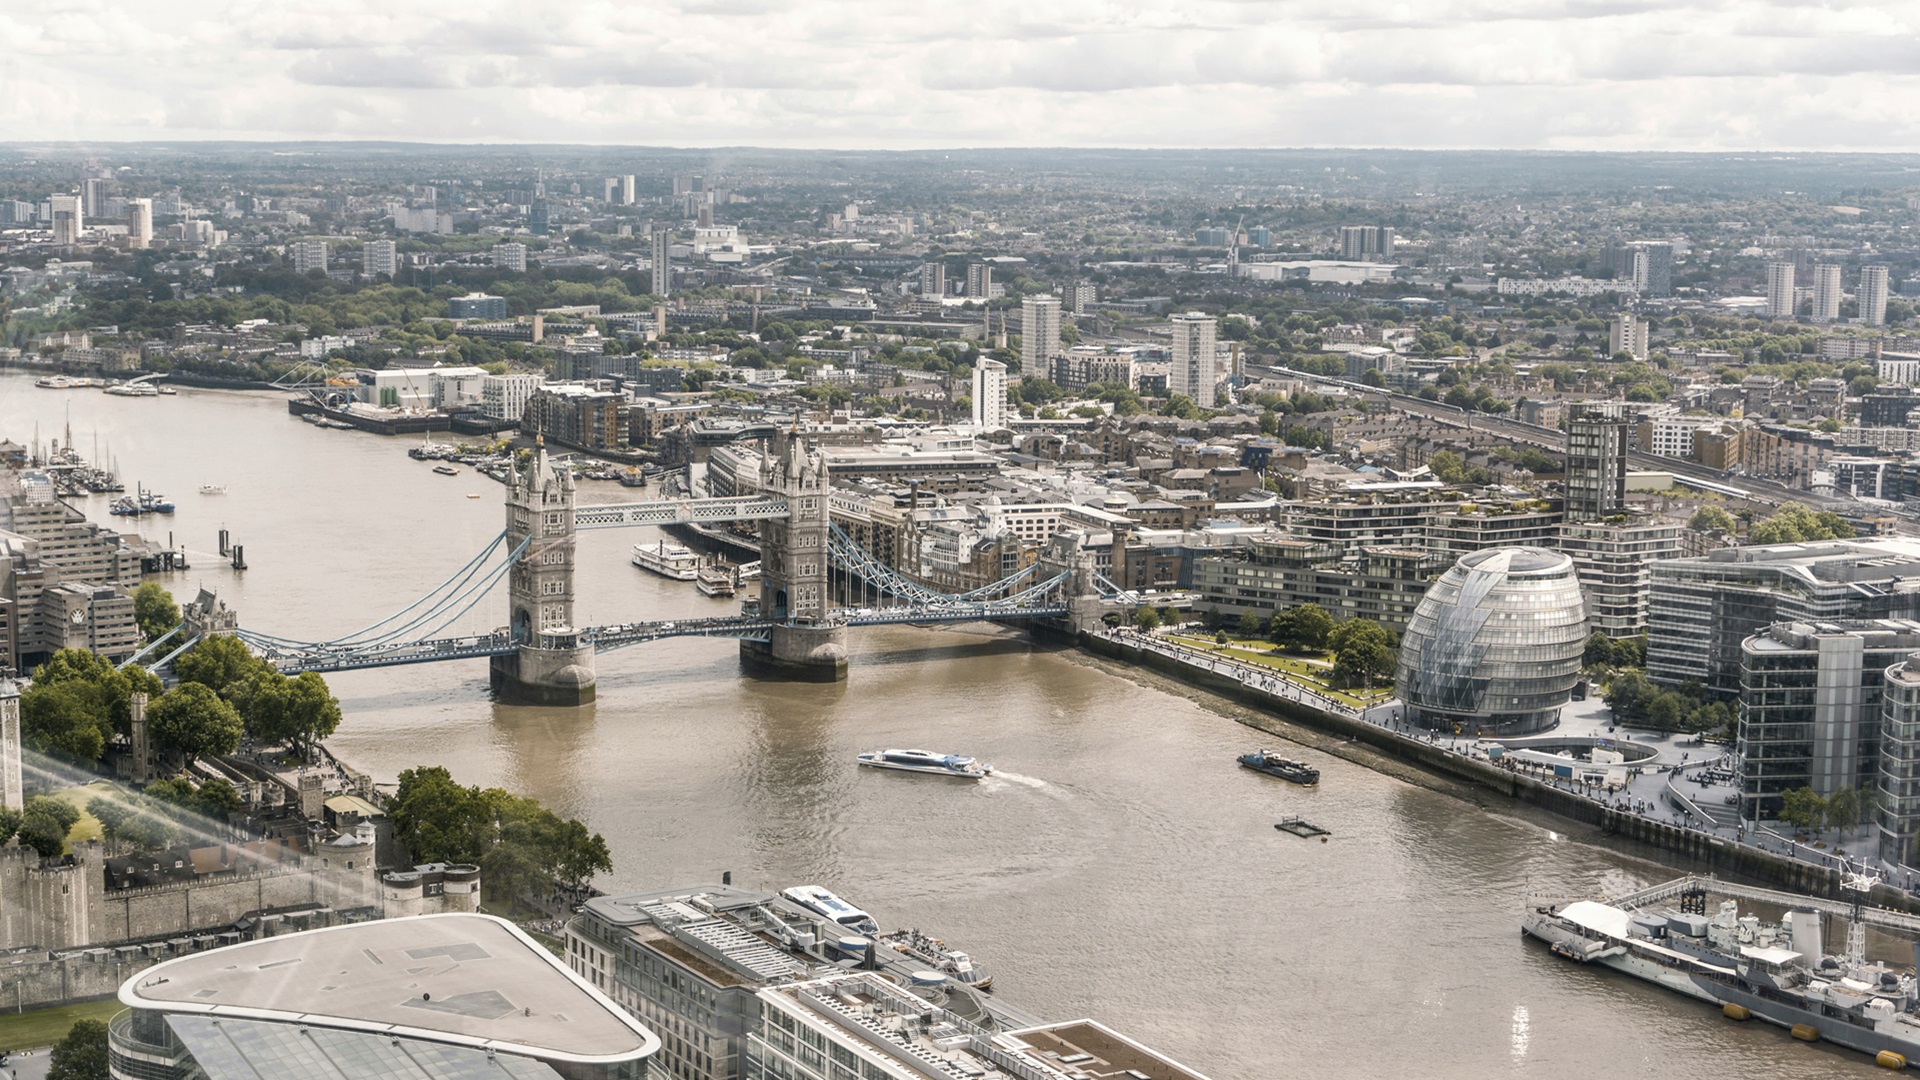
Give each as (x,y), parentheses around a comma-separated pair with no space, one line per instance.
(1548,74)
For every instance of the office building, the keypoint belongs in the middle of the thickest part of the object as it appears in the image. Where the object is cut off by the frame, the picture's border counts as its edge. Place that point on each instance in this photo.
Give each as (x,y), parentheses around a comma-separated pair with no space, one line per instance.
(1627,334)
(1653,267)
(662,252)
(1898,782)
(477,306)
(1366,243)
(1826,293)
(1780,296)
(990,411)
(1196,367)
(1039,334)
(308,255)
(539,216)
(1872,295)
(69,220)
(1614,561)
(510,257)
(1495,646)
(1810,706)
(979,281)
(433,997)
(1701,608)
(1599,434)
(933,278)
(379,257)
(140,224)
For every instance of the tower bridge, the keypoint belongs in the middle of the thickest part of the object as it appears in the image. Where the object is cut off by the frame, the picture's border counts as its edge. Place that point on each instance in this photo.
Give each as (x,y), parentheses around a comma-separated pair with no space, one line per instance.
(541,655)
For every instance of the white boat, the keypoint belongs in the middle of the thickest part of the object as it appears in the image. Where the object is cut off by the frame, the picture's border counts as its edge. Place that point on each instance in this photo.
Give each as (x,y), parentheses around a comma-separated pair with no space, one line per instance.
(749,571)
(926,761)
(716,580)
(134,389)
(821,902)
(667,559)
(213,489)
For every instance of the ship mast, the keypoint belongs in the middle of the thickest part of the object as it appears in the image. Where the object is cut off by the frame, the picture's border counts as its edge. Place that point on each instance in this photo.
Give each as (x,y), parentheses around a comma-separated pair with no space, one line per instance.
(1859,882)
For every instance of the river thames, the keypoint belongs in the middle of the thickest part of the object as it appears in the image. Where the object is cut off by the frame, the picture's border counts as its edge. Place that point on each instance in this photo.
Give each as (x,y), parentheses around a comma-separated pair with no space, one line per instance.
(1118,864)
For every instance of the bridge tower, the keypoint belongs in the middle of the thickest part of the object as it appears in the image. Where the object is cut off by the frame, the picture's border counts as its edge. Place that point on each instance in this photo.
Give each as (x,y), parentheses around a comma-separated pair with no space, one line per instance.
(805,642)
(550,666)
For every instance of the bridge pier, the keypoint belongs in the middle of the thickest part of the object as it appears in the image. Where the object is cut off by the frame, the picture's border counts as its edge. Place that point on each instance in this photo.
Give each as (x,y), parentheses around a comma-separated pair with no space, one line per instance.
(558,672)
(800,653)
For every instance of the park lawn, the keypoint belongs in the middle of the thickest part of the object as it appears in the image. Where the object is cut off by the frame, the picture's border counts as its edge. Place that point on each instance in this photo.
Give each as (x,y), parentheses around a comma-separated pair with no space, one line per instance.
(1308,672)
(44,1027)
(88,827)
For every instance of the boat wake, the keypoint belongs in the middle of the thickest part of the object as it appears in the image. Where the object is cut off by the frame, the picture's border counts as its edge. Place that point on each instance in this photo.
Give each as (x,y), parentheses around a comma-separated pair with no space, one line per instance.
(1023,781)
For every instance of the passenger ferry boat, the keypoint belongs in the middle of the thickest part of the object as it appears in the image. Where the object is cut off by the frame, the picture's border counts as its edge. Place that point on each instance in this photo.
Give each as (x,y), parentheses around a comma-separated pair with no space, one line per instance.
(926,761)
(821,902)
(1285,768)
(715,579)
(667,559)
(934,953)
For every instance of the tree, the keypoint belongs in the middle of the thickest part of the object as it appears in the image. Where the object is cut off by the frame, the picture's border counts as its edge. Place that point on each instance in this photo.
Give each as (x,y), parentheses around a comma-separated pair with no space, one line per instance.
(298,711)
(107,692)
(1665,711)
(1803,808)
(221,663)
(133,824)
(44,824)
(1843,809)
(1710,519)
(1793,524)
(191,720)
(1362,663)
(154,610)
(82,1054)
(1359,631)
(1629,692)
(1598,651)
(64,720)
(519,845)
(1145,618)
(1249,625)
(1447,466)
(1303,627)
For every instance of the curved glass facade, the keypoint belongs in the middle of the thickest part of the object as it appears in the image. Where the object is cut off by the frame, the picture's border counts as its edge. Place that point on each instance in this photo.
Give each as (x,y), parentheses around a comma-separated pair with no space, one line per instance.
(1494,647)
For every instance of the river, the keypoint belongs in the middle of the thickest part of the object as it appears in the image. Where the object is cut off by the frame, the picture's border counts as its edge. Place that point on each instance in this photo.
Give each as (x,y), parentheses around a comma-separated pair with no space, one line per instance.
(1118,864)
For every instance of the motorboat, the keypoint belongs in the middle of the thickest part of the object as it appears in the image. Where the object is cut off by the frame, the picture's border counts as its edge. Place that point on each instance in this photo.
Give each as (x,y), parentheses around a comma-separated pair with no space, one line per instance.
(1285,768)
(821,902)
(213,489)
(926,761)
(446,470)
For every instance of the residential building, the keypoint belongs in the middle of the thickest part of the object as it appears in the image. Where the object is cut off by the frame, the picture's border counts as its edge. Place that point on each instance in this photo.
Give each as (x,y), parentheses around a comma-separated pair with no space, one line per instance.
(1826,293)
(1627,334)
(1810,706)
(661,239)
(1039,333)
(979,281)
(308,256)
(1701,608)
(504,397)
(1671,435)
(1083,298)
(1382,583)
(1366,243)
(933,278)
(1599,435)
(577,415)
(1085,365)
(1780,295)
(93,197)
(626,190)
(69,220)
(990,411)
(1196,365)
(379,257)
(140,223)
(1614,561)
(510,257)
(1653,267)
(1871,296)
(477,306)
(432,997)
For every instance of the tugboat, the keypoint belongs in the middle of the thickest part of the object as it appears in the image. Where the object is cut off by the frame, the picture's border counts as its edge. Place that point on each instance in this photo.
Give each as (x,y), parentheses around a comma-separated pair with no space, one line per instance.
(926,761)
(1285,768)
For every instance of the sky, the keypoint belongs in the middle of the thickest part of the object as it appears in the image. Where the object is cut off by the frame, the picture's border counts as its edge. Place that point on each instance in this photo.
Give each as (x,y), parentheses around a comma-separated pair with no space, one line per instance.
(881,74)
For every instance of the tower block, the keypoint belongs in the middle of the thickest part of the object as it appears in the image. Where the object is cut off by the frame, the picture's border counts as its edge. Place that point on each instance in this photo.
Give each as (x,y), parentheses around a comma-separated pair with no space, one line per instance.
(805,642)
(550,666)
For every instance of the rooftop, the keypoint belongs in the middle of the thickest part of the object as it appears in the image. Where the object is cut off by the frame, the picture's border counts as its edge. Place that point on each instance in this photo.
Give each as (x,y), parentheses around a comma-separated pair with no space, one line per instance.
(471,980)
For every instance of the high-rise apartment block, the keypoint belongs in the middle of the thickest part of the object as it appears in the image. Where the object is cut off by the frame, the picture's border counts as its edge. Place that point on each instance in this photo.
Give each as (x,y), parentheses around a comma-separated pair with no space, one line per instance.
(510,257)
(610,190)
(626,190)
(1366,243)
(1627,334)
(933,278)
(989,395)
(93,197)
(379,257)
(1599,434)
(1653,267)
(1872,295)
(140,225)
(662,245)
(69,220)
(1082,298)
(1780,290)
(1195,362)
(979,280)
(1826,292)
(308,255)
(1039,333)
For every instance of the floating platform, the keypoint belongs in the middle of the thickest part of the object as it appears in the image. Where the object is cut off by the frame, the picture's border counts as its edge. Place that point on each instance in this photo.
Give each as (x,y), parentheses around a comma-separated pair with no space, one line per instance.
(1300,827)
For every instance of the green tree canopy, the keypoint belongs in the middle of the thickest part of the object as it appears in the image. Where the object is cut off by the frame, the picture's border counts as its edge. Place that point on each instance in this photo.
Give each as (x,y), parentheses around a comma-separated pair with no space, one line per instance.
(44,824)
(1145,618)
(1794,523)
(154,610)
(192,721)
(298,711)
(1710,518)
(221,663)
(1303,627)
(82,1054)
(519,845)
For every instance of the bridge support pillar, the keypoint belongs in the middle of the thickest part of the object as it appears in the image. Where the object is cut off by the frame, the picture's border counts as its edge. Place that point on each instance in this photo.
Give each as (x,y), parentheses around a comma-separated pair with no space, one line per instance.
(558,671)
(801,653)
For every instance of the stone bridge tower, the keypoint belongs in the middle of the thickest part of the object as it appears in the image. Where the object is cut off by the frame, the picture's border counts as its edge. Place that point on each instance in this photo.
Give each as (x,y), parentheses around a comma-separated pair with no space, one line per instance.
(805,642)
(550,666)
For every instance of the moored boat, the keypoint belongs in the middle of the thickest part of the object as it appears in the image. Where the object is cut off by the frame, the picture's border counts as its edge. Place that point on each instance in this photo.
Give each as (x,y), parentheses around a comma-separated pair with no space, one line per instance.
(667,559)
(213,489)
(926,761)
(715,579)
(935,954)
(821,902)
(446,470)
(1285,768)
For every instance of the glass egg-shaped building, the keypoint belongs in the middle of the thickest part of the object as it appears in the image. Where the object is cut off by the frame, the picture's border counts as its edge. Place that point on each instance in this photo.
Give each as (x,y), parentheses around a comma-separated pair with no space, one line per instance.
(1494,647)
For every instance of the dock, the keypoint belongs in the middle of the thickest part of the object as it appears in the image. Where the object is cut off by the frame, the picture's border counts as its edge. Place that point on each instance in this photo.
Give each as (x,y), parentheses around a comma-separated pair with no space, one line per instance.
(1303,828)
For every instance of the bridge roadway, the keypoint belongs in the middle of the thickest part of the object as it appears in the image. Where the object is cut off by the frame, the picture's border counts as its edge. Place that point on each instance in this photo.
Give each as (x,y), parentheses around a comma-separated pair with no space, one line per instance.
(606,638)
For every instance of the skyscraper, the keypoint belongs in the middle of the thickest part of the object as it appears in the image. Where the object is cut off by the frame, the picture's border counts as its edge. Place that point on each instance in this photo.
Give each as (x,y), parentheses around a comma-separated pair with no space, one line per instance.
(69,221)
(1599,434)
(1039,334)
(1826,292)
(510,257)
(626,190)
(662,238)
(1780,290)
(380,257)
(308,255)
(1653,268)
(140,227)
(989,395)
(1194,362)
(610,189)
(1872,298)
(979,280)
(933,278)
(93,198)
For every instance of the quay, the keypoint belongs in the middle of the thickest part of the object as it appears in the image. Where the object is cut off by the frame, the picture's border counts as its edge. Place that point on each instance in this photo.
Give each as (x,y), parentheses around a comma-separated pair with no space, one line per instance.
(413,424)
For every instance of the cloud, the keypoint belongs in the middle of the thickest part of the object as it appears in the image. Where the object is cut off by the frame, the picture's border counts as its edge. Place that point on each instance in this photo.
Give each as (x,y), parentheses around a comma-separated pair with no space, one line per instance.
(1597,74)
